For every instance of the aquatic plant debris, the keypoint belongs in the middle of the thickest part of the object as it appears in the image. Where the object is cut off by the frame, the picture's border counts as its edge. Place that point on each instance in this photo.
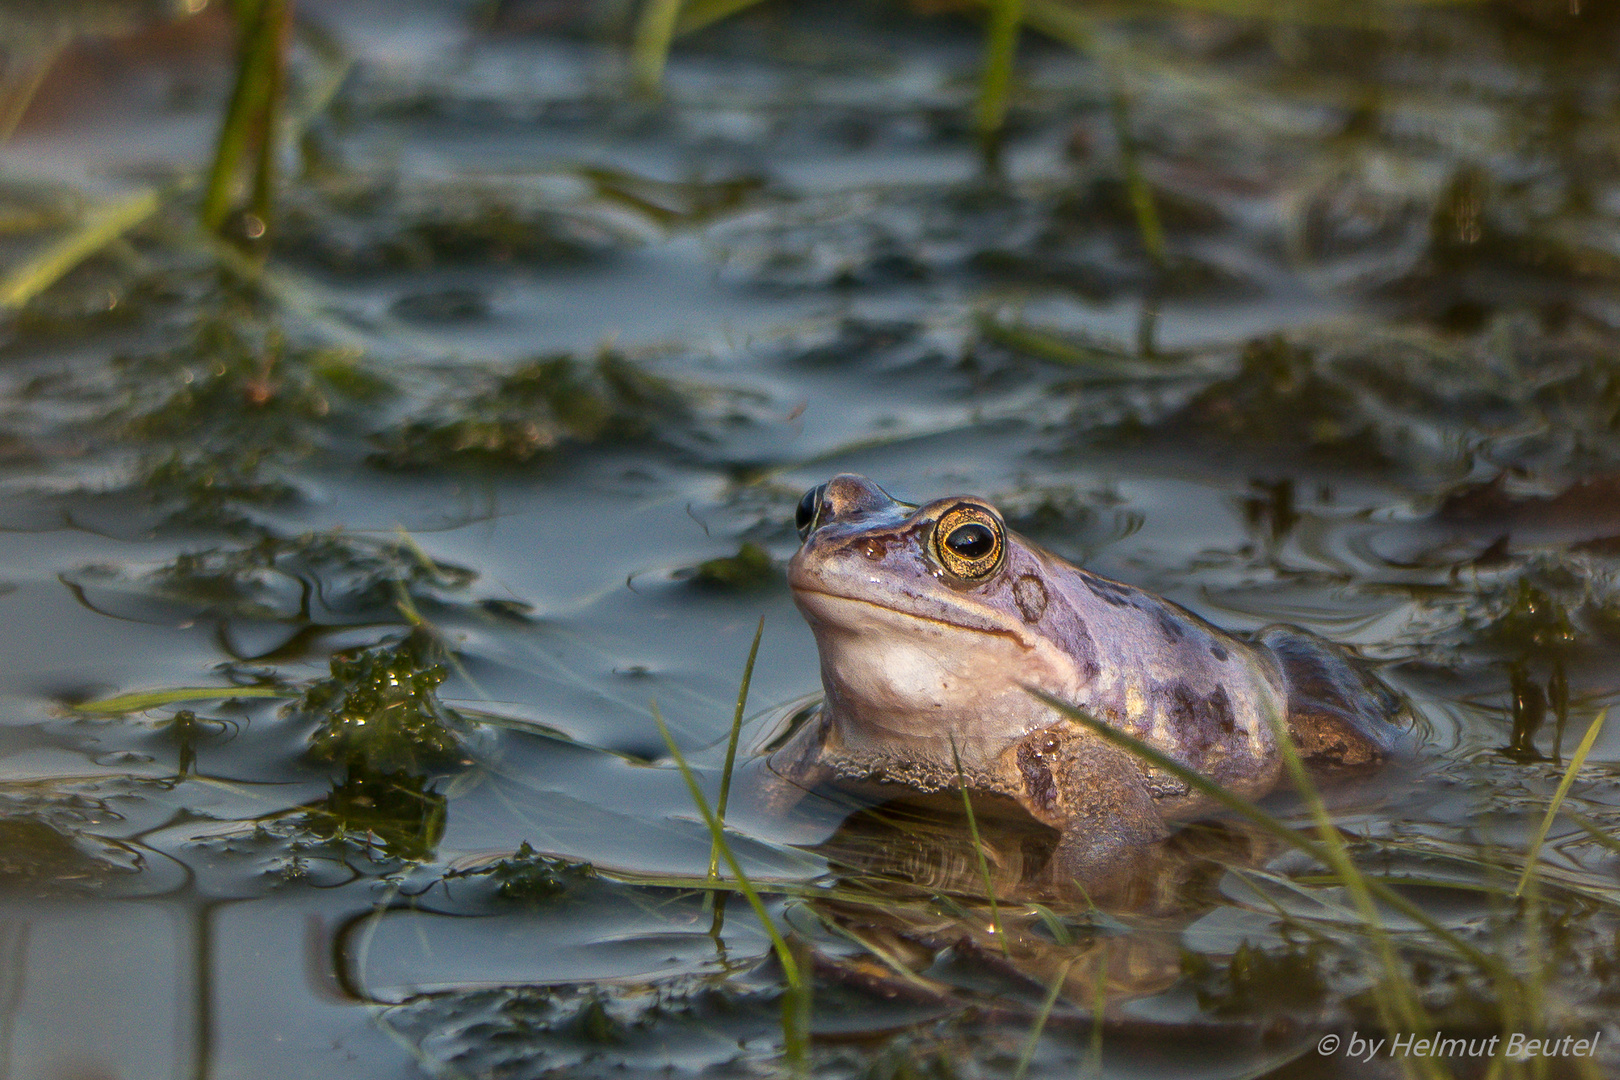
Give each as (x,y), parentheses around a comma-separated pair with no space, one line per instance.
(378,711)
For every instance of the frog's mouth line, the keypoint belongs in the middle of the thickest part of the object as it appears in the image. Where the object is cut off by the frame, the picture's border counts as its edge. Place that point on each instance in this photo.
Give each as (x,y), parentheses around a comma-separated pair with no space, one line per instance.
(1011,635)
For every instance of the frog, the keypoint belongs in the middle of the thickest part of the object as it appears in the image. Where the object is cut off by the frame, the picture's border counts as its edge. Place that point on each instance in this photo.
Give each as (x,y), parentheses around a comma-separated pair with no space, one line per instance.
(939,630)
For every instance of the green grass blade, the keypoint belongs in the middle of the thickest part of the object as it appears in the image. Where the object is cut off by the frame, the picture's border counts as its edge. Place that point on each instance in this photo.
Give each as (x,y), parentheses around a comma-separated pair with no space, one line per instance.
(1143,209)
(275,33)
(1054,925)
(1359,14)
(17,91)
(1001,54)
(978,850)
(1575,763)
(1099,362)
(697,14)
(795,1038)
(255,79)
(1061,23)
(97,231)
(1099,1001)
(655,30)
(731,744)
(1395,998)
(151,699)
(1033,1040)
(887,958)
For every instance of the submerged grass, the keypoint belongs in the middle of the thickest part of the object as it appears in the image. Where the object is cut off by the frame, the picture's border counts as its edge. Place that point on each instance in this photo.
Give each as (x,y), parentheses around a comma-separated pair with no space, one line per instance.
(1148,225)
(978,852)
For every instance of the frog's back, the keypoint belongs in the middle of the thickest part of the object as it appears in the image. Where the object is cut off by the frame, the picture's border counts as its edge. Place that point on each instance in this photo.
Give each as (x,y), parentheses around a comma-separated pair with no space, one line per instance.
(1340,715)
(1209,698)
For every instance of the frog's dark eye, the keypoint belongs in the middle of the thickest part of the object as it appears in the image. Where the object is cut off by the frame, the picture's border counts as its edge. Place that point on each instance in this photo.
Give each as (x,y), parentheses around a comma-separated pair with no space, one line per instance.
(804,518)
(968,541)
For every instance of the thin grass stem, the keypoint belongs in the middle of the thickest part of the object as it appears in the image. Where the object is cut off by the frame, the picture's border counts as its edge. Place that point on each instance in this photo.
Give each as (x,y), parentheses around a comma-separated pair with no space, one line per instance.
(142,700)
(1137,189)
(1595,831)
(795,1007)
(14,102)
(1054,925)
(1099,1002)
(655,30)
(250,98)
(275,34)
(96,231)
(1060,22)
(978,850)
(1575,762)
(1396,996)
(885,956)
(995,88)
(1033,1040)
(696,14)
(731,744)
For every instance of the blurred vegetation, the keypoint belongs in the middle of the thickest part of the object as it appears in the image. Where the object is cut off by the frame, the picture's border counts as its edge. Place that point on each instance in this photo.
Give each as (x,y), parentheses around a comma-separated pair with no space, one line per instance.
(533,411)
(751,568)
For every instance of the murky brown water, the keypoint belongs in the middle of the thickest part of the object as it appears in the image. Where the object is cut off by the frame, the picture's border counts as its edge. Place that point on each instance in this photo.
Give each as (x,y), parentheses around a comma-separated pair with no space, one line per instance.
(485,459)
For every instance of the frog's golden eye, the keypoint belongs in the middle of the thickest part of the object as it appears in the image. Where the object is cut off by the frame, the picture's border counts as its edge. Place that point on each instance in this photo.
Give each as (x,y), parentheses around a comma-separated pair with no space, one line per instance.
(968,541)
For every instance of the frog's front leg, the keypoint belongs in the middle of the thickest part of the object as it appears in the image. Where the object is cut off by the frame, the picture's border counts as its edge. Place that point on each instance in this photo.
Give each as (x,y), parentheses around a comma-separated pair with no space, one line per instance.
(1095,794)
(797,767)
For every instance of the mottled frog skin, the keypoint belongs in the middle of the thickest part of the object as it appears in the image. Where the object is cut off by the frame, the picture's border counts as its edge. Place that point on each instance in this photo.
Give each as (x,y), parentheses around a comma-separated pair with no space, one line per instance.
(932,622)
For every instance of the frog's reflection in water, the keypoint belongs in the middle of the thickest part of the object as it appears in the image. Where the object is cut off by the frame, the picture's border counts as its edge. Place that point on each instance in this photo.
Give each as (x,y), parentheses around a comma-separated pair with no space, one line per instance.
(1122,946)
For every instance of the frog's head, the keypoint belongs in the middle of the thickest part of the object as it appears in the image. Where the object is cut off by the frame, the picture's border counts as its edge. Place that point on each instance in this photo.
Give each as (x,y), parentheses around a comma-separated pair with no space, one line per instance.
(931,619)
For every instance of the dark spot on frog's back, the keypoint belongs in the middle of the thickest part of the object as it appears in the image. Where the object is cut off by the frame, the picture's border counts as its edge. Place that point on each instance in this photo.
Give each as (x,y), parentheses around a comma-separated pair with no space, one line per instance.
(1218,653)
(1107,591)
(1030,595)
(1071,629)
(1218,710)
(1168,623)
(1201,721)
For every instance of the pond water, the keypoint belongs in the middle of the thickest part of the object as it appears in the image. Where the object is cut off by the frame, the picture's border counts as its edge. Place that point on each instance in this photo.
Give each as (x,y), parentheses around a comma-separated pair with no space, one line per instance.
(343,570)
